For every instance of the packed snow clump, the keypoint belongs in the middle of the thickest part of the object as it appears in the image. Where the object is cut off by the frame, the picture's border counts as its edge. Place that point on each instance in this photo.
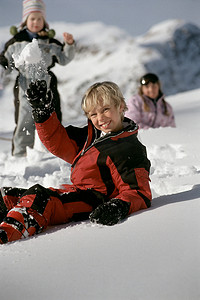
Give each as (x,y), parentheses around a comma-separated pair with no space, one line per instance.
(31,54)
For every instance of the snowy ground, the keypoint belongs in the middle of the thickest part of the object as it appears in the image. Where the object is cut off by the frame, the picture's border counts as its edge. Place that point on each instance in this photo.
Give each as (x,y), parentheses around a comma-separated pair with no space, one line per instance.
(153,255)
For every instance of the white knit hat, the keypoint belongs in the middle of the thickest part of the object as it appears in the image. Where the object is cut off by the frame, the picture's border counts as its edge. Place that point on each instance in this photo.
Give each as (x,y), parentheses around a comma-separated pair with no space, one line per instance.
(30,6)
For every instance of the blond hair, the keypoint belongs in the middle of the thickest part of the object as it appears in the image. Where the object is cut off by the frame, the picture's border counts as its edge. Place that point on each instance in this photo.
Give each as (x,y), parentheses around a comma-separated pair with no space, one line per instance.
(102,93)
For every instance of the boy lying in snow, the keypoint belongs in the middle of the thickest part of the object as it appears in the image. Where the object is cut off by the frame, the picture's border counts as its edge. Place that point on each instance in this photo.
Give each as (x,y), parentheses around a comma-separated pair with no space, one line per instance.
(109,167)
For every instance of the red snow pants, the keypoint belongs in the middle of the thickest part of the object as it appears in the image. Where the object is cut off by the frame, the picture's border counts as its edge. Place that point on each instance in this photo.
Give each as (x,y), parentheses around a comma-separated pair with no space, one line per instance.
(28,212)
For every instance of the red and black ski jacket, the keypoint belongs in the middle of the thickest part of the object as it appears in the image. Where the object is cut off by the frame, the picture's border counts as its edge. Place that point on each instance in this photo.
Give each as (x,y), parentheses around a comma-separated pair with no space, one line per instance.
(115,165)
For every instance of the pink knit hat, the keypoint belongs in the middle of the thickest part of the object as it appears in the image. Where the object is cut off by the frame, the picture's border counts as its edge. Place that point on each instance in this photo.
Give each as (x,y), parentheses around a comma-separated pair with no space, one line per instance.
(30,6)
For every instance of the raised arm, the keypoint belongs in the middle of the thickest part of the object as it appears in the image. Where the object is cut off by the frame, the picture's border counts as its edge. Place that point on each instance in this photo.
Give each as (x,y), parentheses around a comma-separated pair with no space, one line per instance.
(51,132)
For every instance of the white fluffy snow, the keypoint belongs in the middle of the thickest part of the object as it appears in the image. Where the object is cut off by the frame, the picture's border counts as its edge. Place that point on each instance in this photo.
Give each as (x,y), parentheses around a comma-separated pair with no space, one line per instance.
(153,255)
(31,54)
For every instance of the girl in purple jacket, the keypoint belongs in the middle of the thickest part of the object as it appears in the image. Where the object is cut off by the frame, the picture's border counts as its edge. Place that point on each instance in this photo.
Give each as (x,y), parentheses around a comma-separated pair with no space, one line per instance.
(148,108)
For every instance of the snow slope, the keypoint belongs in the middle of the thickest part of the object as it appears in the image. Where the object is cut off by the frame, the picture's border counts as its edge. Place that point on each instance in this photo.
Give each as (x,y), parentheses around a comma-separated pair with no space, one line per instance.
(154,254)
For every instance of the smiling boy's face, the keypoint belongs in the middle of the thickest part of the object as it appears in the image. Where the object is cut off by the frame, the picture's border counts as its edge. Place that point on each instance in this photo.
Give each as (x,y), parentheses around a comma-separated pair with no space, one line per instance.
(107,118)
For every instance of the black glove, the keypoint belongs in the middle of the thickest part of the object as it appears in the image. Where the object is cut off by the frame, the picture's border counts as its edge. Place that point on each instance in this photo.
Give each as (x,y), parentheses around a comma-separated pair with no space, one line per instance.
(111,212)
(40,100)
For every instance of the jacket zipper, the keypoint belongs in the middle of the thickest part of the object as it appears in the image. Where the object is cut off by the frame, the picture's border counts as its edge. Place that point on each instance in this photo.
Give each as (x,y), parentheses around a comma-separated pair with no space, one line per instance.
(96,141)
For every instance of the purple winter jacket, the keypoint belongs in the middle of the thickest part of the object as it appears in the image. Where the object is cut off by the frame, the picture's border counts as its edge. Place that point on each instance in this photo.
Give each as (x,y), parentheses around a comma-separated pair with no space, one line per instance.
(153,118)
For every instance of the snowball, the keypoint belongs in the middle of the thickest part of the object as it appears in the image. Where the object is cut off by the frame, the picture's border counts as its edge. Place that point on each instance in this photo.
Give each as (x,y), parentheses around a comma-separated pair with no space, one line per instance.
(31,54)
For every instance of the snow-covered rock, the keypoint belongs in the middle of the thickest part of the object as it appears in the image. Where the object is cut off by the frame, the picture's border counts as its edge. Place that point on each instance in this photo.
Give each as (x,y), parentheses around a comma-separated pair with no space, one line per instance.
(171,49)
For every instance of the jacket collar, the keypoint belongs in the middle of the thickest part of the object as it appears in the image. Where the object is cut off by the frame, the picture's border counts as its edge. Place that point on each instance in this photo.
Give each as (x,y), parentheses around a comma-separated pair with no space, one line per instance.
(95,134)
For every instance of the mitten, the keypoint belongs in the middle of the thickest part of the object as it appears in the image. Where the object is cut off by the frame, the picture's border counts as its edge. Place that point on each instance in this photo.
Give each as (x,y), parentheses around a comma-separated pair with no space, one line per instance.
(110,213)
(40,100)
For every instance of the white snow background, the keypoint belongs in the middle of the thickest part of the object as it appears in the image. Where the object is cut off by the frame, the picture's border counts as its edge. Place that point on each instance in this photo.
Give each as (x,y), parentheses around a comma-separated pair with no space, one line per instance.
(152,255)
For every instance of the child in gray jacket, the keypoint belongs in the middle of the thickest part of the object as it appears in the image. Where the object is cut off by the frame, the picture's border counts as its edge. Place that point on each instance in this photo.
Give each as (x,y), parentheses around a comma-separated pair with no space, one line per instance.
(33,26)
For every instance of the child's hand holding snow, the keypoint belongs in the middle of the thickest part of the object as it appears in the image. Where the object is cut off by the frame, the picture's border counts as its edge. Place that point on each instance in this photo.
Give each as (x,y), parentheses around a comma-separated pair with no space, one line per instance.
(36,93)
(40,100)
